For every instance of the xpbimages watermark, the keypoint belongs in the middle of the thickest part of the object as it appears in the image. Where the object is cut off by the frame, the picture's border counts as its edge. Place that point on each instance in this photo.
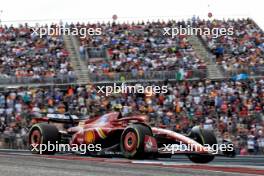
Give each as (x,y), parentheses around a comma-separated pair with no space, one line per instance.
(82,148)
(181,30)
(131,89)
(61,30)
(181,147)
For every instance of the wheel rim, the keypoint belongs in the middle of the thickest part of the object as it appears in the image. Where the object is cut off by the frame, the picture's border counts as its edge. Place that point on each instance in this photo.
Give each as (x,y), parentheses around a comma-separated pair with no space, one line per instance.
(130,141)
(35,137)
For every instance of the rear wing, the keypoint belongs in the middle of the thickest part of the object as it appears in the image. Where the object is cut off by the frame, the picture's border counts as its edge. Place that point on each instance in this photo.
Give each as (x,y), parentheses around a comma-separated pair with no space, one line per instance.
(62,116)
(56,117)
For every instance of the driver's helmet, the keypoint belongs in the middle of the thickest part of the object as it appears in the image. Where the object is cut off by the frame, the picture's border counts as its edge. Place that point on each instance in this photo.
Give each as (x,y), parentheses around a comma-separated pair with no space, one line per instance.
(117,107)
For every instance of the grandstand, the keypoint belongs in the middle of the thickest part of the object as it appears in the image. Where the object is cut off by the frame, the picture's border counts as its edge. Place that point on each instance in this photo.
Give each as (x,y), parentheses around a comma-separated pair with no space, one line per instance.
(203,75)
(27,58)
(241,52)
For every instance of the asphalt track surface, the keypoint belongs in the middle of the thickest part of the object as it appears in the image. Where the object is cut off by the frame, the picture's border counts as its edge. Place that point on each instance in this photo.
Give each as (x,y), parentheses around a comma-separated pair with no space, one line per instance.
(26,164)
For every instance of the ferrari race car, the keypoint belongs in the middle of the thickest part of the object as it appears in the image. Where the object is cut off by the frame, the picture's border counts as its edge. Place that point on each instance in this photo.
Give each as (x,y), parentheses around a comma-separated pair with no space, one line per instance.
(130,137)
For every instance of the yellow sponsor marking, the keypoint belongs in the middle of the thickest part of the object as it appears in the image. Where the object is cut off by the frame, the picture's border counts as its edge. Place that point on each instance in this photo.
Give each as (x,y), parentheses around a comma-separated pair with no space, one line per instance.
(101,133)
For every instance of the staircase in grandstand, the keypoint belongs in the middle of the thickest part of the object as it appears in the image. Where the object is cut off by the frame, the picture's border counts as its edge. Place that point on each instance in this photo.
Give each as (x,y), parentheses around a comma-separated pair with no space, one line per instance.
(213,71)
(78,64)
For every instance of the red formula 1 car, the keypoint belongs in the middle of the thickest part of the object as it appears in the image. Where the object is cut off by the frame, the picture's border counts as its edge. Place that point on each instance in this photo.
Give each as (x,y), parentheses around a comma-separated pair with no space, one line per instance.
(130,137)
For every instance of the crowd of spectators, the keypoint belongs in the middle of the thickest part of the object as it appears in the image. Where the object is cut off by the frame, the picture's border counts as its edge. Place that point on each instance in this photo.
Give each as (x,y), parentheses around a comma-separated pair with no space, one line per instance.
(242,51)
(233,109)
(136,49)
(140,48)
(25,57)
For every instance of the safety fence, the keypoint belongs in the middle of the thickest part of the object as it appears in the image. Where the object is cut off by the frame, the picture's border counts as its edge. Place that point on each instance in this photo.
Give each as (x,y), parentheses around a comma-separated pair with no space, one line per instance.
(59,79)
(149,75)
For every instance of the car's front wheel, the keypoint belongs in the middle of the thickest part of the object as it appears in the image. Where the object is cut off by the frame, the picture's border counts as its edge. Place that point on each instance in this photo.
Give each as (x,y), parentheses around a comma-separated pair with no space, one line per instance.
(204,137)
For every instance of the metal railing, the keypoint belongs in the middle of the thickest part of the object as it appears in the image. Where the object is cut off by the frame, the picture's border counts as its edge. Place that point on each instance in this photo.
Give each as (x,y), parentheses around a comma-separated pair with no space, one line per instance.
(59,79)
(148,75)
(251,71)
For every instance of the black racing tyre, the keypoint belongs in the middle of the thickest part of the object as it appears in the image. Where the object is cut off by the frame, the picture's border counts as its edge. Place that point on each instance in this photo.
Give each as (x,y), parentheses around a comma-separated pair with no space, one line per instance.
(43,134)
(132,141)
(202,136)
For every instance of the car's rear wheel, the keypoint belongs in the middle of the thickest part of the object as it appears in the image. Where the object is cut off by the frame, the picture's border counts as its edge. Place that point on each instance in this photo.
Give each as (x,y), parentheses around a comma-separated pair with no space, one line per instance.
(43,138)
(203,137)
(132,141)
